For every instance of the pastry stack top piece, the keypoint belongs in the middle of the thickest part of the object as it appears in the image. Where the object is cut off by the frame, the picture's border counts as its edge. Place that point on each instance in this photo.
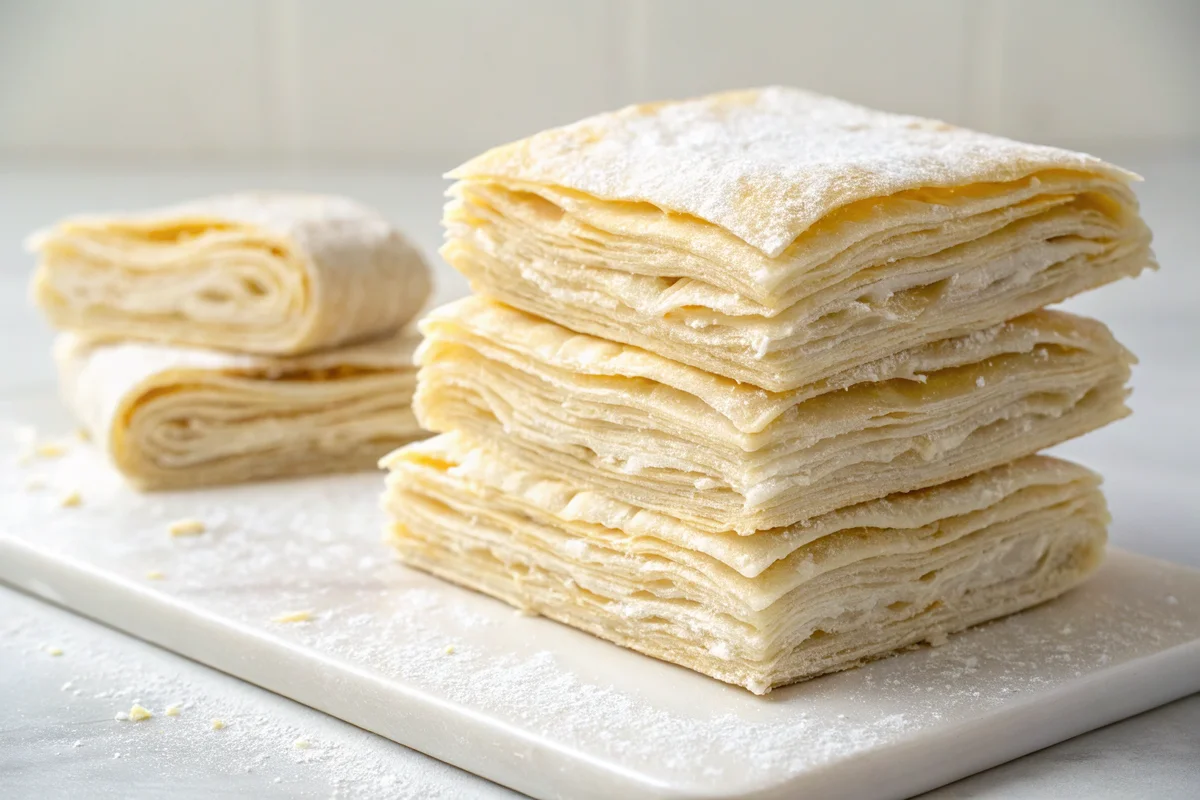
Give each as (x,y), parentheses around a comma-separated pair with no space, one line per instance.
(778,237)
(237,337)
(715,341)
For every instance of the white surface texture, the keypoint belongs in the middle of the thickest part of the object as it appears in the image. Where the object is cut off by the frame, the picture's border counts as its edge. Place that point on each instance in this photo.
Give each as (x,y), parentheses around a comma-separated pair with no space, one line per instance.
(538,706)
(407,80)
(1149,462)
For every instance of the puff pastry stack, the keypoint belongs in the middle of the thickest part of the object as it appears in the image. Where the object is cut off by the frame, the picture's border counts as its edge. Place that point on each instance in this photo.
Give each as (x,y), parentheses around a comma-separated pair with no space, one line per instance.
(235,338)
(753,383)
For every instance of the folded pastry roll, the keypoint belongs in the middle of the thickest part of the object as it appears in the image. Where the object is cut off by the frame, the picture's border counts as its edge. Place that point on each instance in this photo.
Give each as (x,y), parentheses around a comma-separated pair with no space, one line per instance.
(777,237)
(173,417)
(757,611)
(275,274)
(728,456)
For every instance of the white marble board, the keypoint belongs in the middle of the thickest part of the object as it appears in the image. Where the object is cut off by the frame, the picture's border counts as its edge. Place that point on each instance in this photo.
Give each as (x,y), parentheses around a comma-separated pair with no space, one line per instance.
(542,708)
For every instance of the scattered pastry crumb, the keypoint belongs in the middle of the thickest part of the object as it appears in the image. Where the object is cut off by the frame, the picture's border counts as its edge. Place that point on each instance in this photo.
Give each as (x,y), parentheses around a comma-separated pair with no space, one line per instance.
(49,450)
(54,650)
(186,527)
(449,649)
(172,711)
(300,744)
(71,500)
(154,575)
(218,724)
(138,713)
(293,616)
(937,639)
(35,483)
(83,434)
(121,716)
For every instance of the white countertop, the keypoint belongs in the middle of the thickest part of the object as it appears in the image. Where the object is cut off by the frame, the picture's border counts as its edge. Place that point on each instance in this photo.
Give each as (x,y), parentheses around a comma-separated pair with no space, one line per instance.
(63,742)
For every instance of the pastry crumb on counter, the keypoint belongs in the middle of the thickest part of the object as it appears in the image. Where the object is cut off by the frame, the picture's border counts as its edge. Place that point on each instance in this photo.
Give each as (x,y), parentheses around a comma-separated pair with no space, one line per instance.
(937,639)
(35,483)
(71,500)
(293,616)
(138,713)
(53,650)
(217,724)
(121,716)
(449,649)
(172,710)
(154,575)
(301,744)
(83,434)
(186,527)
(49,450)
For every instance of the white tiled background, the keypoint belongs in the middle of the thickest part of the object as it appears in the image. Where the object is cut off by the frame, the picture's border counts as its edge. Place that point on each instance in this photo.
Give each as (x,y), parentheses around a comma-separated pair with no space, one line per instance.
(301,81)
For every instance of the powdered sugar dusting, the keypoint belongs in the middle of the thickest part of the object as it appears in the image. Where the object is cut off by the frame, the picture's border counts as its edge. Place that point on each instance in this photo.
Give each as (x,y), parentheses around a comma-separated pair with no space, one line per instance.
(764,164)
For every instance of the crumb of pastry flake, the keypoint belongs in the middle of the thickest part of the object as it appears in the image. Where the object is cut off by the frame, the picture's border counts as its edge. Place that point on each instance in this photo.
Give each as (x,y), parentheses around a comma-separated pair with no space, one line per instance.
(83,434)
(35,483)
(154,575)
(186,527)
(71,500)
(937,639)
(301,744)
(53,650)
(172,710)
(138,713)
(293,616)
(449,649)
(217,724)
(49,450)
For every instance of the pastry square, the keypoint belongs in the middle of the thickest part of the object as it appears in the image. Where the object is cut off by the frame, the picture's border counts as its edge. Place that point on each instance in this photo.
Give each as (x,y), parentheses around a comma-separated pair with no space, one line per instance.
(777,237)
(757,611)
(173,418)
(265,273)
(727,456)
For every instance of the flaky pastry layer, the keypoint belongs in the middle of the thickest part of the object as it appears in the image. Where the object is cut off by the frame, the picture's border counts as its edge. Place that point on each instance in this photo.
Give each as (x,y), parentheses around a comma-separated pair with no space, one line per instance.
(728,456)
(759,611)
(173,418)
(273,274)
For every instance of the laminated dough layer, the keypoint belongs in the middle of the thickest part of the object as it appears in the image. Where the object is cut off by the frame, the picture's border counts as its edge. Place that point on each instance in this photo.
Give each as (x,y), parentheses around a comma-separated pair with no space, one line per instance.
(777,237)
(723,455)
(174,418)
(273,274)
(759,611)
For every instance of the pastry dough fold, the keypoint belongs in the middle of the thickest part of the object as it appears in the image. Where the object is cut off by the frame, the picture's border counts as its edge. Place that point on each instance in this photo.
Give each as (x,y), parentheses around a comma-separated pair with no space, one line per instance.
(761,611)
(172,417)
(273,274)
